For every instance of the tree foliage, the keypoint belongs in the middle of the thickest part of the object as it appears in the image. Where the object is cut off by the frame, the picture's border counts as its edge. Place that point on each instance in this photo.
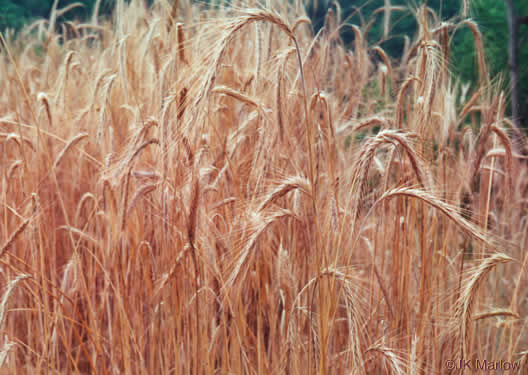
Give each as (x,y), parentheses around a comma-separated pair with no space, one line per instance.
(16,13)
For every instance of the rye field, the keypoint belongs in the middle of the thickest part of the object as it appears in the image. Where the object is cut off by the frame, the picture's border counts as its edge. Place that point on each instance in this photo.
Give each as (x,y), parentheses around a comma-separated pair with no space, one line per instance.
(198,189)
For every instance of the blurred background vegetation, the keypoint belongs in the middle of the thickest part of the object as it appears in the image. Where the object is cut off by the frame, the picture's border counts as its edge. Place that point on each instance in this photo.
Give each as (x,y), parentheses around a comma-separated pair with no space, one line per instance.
(490,15)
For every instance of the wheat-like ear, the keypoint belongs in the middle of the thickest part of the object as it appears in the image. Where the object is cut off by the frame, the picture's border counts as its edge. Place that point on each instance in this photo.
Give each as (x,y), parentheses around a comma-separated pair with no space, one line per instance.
(43,97)
(385,59)
(400,100)
(506,143)
(95,13)
(13,237)
(13,168)
(481,151)
(467,299)
(8,345)
(280,86)
(182,103)
(448,210)
(17,139)
(329,22)
(142,147)
(79,137)
(443,31)
(172,17)
(332,159)
(87,196)
(181,42)
(12,137)
(288,184)
(358,38)
(366,157)
(70,279)
(99,81)
(191,234)
(108,190)
(67,8)
(479,47)
(303,20)
(250,16)
(72,28)
(53,18)
(480,142)
(494,313)
(101,126)
(394,361)
(465,8)
(278,101)
(258,222)
(7,294)
(67,65)
(235,94)
(193,209)
(124,202)
(165,136)
(358,125)
(142,191)
(468,106)
(521,141)
(81,234)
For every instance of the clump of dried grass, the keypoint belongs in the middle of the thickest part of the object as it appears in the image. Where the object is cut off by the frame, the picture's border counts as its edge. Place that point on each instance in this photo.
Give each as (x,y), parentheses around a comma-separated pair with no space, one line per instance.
(289,216)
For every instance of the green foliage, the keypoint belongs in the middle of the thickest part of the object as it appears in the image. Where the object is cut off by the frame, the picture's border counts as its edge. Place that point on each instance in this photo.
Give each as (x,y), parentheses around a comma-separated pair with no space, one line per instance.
(12,16)
(17,13)
(491,18)
(492,21)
